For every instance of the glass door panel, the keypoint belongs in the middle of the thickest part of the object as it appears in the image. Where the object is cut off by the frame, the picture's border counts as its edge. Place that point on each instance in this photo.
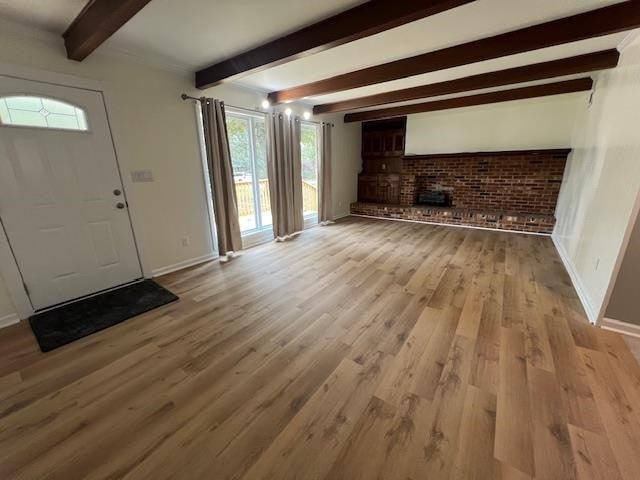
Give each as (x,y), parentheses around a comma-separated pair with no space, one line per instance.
(260,139)
(248,145)
(240,144)
(309,146)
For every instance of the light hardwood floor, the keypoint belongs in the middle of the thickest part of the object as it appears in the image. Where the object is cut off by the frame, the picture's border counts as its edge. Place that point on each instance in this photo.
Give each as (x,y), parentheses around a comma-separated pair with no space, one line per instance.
(365,350)
(634,345)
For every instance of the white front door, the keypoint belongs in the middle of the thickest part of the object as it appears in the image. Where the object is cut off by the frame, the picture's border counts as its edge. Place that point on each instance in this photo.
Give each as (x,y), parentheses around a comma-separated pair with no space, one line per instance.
(61,199)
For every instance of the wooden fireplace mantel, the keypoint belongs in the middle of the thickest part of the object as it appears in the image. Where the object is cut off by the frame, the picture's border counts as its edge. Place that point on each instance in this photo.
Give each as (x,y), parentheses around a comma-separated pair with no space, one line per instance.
(554,152)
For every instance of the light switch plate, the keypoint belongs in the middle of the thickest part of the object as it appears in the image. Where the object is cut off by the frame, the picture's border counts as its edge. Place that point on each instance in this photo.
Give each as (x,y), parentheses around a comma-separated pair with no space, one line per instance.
(141,176)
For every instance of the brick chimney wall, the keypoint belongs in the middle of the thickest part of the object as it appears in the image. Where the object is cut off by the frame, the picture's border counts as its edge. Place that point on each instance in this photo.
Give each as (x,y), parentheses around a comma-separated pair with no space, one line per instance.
(521,183)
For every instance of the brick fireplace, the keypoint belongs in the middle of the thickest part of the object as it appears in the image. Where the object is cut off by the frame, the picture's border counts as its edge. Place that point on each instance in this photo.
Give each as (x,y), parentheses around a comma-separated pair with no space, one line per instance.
(504,190)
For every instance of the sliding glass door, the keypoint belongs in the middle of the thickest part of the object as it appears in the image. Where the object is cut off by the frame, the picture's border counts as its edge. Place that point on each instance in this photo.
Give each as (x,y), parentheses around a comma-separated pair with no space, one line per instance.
(310,153)
(248,144)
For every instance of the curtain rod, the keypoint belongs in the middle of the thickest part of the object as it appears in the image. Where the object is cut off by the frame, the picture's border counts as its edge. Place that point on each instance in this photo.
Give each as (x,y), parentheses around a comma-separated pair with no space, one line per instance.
(184,96)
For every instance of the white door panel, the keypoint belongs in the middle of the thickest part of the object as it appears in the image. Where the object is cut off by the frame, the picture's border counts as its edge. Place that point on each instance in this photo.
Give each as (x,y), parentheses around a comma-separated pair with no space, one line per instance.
(57,202)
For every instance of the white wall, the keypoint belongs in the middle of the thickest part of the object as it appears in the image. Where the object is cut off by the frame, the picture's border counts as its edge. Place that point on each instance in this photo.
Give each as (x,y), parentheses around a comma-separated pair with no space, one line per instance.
(7,309)
(601,181)
(518,125)
(346,163)
(157,130)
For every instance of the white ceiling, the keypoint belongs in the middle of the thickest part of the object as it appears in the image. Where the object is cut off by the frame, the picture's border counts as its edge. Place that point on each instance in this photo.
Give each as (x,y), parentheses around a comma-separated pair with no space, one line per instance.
(473,21)
(536,56)
(192,34)
(188,33)
(51,15)
(197,33)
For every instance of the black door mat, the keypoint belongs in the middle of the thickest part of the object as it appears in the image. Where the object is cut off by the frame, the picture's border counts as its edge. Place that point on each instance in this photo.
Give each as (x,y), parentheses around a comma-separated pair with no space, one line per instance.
(72,321)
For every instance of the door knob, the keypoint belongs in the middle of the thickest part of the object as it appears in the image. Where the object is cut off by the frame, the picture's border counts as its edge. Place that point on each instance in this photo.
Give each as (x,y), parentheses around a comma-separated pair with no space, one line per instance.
(120,205)
(117,192)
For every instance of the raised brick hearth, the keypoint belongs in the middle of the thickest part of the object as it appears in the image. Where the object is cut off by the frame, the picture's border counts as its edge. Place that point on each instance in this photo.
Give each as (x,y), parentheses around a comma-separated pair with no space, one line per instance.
(454,216)
(504,190)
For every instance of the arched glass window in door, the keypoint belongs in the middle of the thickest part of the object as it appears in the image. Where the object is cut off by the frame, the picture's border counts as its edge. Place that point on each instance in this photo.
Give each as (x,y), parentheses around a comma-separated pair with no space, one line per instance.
(41,112)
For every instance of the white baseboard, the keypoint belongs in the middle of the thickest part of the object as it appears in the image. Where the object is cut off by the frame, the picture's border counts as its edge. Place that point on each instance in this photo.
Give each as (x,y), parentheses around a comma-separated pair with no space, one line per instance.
(184,264)
(620,327)
(341,215)
(10,319)
(583,295)
(257,238)
(450,225)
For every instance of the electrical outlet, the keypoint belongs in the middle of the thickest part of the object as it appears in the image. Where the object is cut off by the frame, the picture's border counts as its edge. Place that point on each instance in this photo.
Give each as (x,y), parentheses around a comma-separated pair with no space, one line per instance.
(184,241)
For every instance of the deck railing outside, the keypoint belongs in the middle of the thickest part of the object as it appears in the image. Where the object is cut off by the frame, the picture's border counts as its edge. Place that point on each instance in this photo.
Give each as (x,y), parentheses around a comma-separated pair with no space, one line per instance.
(244,194)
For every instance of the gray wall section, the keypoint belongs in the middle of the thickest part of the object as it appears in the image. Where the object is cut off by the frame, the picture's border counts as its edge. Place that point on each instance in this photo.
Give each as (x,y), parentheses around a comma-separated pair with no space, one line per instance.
(625,299)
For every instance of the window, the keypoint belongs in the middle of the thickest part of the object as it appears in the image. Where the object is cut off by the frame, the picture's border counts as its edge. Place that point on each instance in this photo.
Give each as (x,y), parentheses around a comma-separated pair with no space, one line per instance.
(248,145)
(29,111)
(310,152)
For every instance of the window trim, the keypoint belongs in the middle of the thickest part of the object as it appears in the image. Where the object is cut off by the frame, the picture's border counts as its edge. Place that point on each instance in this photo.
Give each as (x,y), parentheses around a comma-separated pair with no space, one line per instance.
(48,128)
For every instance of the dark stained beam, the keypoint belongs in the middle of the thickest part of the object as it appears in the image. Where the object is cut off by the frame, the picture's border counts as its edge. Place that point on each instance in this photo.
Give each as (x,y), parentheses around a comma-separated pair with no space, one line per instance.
(362,21)
(97,21)
(568,86)
(538,71)
(603,21)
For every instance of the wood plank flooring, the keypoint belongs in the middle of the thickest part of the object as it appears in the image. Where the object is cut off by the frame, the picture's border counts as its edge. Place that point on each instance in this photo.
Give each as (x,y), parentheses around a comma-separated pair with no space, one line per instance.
(368,349)
(634,346)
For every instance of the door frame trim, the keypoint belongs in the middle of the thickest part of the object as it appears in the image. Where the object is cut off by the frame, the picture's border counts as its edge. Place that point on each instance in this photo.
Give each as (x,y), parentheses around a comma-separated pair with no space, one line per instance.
(9,268)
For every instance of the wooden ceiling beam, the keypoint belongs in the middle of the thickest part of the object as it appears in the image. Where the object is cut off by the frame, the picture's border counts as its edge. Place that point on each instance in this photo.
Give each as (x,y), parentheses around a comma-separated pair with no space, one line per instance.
(97,21)
(362,21)
(555,88)
(528,73)
(603,21)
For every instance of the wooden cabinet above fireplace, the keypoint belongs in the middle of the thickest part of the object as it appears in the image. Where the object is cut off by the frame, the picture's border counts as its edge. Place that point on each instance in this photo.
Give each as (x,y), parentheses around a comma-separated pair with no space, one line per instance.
(384,138)
(382,151)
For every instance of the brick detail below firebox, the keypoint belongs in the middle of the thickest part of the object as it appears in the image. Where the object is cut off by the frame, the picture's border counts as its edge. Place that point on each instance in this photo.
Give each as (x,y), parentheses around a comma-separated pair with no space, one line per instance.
(497,220)
(504,190)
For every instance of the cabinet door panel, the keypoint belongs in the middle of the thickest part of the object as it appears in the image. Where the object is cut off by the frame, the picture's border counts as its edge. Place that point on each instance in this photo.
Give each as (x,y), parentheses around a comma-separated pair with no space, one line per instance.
(389,188)
(368,188)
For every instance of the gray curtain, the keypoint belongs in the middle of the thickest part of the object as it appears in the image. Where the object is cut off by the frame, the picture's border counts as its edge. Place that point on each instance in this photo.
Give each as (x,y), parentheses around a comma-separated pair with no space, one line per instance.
(285,174)
(325,207)
(225,205)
